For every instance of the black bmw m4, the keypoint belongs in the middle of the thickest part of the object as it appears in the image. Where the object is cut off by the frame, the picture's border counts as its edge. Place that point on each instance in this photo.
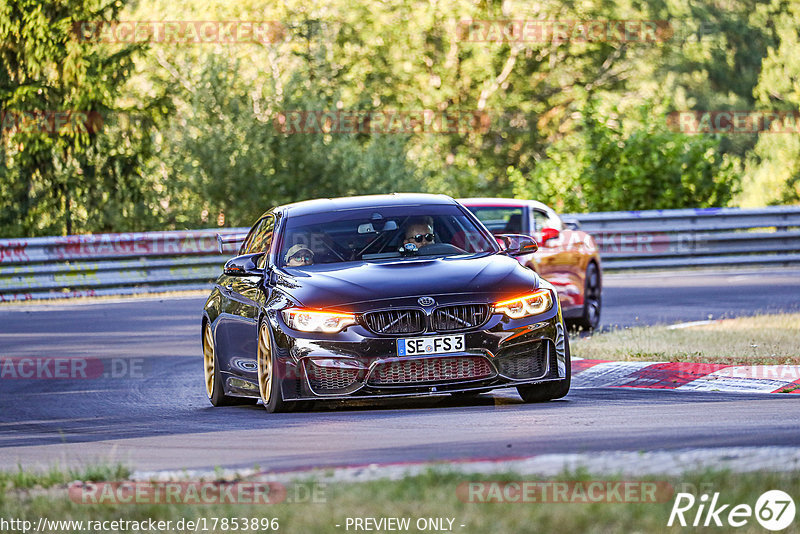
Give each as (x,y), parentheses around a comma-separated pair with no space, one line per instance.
(380,296)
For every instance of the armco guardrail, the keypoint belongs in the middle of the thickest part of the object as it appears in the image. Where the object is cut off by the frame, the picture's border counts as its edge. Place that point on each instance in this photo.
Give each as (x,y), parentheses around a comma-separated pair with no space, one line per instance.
(117,264)
(109,264)
(695,237)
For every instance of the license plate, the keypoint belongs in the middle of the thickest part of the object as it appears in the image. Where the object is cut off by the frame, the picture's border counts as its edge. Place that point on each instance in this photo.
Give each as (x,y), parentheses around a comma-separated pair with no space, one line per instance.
(430,345)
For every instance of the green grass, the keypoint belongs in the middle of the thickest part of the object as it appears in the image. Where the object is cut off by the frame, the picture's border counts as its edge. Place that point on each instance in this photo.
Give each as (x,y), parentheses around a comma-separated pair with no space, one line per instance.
(757,340)
(54,476)
(433,494)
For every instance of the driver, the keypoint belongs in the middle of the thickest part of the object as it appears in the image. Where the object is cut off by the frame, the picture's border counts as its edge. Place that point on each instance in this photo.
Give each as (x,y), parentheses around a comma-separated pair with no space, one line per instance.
(419,232)
(299,255)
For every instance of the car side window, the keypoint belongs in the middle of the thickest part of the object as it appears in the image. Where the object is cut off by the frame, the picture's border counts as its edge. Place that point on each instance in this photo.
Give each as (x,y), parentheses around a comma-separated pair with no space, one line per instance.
(540,220)
(546,219)
(251,235)
(263,240)
(260,238)
(498,219)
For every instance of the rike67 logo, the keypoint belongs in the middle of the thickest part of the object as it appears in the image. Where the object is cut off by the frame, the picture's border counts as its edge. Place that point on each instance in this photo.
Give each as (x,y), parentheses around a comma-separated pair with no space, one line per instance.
(774,510)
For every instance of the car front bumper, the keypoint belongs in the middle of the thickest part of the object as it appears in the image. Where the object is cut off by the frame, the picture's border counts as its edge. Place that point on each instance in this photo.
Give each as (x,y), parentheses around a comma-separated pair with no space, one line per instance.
(360,364)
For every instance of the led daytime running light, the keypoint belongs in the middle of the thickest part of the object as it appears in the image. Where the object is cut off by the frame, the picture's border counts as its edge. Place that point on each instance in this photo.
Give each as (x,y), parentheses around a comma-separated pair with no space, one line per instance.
(317,321)
(535,303)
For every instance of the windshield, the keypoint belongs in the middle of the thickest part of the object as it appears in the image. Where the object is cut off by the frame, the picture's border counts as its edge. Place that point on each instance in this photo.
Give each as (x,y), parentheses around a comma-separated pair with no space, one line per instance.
(381,233)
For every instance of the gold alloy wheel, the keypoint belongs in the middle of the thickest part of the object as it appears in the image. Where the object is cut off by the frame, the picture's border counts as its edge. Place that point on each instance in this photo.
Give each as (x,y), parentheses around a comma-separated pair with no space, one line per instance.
(264,364)
(208,359)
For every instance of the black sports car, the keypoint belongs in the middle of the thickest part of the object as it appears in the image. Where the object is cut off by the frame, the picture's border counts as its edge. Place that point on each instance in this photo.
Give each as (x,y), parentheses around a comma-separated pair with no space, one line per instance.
(380,296)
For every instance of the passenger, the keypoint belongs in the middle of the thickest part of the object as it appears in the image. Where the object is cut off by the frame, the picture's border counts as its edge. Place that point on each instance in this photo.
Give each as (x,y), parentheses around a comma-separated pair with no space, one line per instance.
(299,256)
(419,232)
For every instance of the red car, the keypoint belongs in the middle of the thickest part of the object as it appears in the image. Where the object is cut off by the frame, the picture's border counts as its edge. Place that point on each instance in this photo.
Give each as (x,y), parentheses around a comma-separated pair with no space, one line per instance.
(567,257)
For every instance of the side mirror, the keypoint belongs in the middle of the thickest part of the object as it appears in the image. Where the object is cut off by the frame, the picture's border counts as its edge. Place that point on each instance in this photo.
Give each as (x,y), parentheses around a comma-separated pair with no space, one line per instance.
(245,265)
(548,234)
(518,244)
(571,224)
(229,239)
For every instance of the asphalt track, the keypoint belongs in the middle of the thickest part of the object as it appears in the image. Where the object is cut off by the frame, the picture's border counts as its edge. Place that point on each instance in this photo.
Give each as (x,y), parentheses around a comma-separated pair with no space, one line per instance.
(150,410)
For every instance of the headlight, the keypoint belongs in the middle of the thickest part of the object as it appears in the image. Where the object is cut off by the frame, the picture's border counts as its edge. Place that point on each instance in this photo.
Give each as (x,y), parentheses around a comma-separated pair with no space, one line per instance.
(337,363)
(317,321)
(535,303)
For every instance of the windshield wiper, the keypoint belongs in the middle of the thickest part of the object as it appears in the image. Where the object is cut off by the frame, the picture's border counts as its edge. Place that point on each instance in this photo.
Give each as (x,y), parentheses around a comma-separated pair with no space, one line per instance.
(380,255)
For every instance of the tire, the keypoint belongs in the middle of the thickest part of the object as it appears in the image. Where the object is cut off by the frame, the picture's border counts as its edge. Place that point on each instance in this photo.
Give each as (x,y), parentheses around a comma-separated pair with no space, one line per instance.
(269,387)
(214,389)
(549,390)
(592,299)
(269,384)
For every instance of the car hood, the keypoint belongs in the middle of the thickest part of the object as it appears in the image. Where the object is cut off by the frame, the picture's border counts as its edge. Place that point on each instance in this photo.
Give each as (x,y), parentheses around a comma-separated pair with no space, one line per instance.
(331,285)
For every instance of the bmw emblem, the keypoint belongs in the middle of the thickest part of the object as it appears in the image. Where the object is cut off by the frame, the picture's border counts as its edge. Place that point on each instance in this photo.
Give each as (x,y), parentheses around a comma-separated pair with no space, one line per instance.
(426,301)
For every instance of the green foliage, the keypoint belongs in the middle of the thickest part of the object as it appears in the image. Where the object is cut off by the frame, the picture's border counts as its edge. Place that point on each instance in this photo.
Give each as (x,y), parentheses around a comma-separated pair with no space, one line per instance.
(438,493)
(55,475)
(222,155)
(189,130)
(603,168)
(772,174)
(77,178)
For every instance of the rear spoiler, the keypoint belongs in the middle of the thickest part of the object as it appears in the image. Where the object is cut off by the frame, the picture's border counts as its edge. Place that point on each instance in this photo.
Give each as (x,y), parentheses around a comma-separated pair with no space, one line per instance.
(227,239)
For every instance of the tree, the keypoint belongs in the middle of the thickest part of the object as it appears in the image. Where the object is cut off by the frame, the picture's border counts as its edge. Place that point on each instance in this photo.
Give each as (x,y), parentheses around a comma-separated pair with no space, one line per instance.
(772,174)
(603,168)
(224,154)
(71,162)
